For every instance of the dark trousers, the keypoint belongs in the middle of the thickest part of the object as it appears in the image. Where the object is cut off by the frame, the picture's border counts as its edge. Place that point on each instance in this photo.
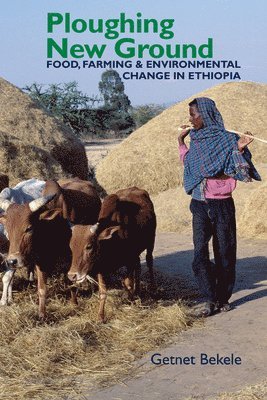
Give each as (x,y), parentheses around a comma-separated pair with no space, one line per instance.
(214,219)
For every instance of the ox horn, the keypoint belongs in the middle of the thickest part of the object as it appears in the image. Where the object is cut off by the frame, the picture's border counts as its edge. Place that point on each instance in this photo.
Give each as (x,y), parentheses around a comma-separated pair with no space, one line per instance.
(94,228)
(40,202)
(4,204)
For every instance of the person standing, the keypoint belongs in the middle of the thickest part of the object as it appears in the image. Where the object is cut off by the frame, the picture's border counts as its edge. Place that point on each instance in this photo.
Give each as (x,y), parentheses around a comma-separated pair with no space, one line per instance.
(214,162)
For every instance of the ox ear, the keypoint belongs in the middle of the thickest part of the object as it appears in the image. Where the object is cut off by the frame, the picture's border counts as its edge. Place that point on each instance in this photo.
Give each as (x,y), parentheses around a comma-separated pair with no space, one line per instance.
(108,233)
(48,215)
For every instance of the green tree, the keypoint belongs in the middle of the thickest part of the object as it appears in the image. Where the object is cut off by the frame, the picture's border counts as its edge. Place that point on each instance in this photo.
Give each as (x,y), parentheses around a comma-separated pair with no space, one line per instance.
(116,102)
(144,113)
(111,88)
(64,101)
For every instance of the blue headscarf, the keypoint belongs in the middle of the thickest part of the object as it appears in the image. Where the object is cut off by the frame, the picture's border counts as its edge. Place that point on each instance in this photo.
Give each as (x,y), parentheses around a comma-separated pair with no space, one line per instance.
(214,151)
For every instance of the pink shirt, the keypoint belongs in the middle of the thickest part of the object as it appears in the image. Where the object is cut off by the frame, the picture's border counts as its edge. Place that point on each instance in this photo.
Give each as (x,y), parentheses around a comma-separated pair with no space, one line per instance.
(215,188)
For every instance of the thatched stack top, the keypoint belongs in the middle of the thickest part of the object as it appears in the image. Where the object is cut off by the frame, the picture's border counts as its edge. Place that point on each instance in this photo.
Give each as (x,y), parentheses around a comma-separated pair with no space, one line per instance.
(149,157)
(33,143)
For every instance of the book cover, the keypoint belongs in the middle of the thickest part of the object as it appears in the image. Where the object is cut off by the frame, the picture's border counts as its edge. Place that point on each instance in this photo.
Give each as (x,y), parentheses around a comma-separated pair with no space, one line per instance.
(99,90)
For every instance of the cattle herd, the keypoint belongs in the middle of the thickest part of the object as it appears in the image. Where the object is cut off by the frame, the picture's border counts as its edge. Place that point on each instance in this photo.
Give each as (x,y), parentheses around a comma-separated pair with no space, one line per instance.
(64,227)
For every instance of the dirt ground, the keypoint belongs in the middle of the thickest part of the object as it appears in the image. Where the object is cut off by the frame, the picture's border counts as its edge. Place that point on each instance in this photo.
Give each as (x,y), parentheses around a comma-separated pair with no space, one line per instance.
(98,149)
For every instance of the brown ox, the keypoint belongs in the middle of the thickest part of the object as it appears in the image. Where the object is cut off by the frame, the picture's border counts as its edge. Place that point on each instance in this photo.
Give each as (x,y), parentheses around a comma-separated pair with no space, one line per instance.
(38,237)
(77,199)
(126,227)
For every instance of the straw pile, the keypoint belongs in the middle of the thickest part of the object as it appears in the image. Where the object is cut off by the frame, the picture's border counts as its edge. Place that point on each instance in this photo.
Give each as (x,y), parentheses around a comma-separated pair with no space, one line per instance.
(71,352)
(149,157)
(251,204)
(34,144)
(173,214)
(253,392)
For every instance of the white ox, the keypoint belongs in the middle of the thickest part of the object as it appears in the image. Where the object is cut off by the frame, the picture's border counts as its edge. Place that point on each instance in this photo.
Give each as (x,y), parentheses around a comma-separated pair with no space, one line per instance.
(23,192)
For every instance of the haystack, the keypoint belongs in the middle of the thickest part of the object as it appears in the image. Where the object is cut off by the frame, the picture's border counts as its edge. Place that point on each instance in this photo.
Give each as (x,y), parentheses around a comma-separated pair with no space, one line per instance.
(253,222)
(173,214)
(33,143)
(149,157)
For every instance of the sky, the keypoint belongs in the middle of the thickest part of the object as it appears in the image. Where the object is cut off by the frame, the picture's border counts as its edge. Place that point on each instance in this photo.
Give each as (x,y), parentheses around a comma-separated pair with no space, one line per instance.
(238,29)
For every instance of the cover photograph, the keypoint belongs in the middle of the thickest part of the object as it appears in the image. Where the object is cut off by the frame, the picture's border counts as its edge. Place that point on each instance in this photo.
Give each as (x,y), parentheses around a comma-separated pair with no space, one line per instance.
(133,198)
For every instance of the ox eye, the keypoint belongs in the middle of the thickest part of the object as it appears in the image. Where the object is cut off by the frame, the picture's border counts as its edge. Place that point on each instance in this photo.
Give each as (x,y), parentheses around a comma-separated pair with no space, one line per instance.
(89,247)
(28,229)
